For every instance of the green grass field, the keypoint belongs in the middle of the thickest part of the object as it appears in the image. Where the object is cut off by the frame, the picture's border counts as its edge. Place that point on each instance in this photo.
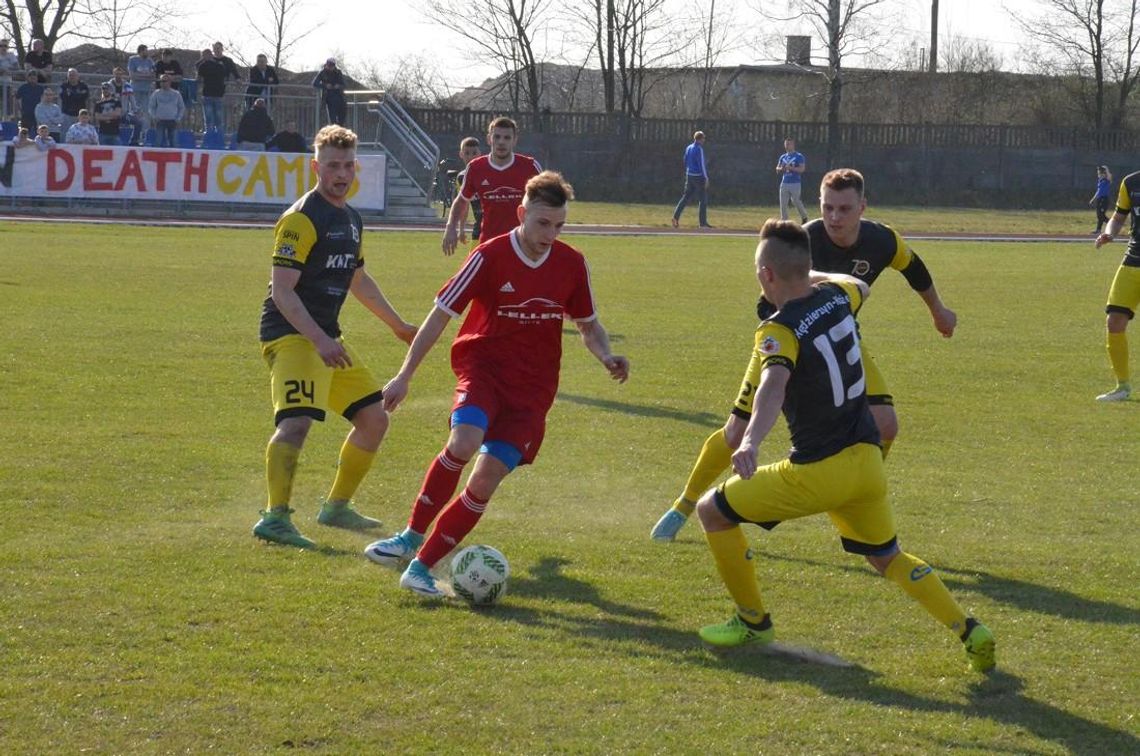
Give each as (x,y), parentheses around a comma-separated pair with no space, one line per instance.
(946,220)
(140,616)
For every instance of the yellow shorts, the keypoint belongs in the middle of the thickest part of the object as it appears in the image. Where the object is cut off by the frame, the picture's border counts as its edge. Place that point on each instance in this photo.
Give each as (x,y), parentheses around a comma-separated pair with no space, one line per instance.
(849,486)
(1124,296)
(302,385)
(877,391)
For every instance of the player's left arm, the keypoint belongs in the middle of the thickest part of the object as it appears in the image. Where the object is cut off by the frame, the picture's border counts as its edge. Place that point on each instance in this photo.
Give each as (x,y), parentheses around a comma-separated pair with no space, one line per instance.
(597,340)
(914,270)
(365,288)
(765,409)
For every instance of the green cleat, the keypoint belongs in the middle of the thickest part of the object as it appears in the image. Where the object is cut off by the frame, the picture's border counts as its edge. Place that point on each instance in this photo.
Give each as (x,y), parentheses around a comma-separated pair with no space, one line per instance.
(276,527)
(979,643)
(344,516)
(736,633)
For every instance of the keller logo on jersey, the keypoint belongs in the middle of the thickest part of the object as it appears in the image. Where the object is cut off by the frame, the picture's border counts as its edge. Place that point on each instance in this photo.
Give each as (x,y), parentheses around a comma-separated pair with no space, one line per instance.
(769,346)
(534,310)
(503,194)
(860,267)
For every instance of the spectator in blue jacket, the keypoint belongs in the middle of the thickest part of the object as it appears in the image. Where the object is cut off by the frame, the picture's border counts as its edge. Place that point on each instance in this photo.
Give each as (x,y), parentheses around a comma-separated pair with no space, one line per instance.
(1101,196)
(696,181)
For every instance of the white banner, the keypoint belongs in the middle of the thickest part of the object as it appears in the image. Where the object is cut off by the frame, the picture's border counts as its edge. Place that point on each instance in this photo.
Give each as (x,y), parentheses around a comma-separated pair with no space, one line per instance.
(168,174)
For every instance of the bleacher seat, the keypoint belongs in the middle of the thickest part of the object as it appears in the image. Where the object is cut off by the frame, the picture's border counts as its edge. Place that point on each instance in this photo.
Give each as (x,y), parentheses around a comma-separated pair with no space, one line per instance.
(8,130)
(126,134)
(213,140)
(184,139)
(151,138)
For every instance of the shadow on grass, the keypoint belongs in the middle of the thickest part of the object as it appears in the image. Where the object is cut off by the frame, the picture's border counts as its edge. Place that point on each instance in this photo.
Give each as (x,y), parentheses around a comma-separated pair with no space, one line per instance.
(1010,591)
(706,419)
(997,697)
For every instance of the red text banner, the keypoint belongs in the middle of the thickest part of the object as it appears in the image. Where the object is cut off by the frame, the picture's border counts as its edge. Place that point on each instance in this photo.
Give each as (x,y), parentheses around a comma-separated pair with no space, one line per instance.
(231,177)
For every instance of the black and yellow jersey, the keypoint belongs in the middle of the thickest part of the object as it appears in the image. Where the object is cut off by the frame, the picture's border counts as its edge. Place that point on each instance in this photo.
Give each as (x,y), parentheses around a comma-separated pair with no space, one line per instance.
(877,248)
(816,338)
(323,242)
(1128,203)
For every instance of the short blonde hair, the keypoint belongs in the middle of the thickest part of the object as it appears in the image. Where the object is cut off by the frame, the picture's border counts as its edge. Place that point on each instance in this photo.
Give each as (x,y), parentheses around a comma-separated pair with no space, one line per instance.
(549,188)
(335,136)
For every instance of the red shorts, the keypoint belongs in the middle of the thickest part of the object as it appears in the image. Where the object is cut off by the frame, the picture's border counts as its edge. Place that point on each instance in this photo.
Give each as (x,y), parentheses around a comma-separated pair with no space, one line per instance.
(519,420)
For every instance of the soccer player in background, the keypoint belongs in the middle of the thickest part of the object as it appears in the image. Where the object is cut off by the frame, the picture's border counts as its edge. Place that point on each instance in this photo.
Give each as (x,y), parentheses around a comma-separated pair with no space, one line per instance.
(468,151)
(842,241)
(1124,296)
(806,362)
(317,261)
(498,180)
(507,359)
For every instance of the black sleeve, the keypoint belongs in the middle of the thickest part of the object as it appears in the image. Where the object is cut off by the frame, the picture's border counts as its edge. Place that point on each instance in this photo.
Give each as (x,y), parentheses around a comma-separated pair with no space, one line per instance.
(764,308)
(917,275)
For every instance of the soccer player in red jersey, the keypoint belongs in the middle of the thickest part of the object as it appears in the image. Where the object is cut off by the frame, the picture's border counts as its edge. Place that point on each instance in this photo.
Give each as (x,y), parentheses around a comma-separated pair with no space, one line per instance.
(498,179)
(507,357)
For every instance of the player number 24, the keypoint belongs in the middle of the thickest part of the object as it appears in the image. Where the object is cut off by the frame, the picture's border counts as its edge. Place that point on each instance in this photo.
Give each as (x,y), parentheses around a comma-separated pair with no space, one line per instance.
(303,388)
(835,335)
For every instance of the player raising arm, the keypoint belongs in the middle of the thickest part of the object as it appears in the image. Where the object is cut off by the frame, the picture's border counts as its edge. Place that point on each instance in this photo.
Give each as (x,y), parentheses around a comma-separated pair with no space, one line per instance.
(806,362)
(842,241)
(1124,295)
(507,359)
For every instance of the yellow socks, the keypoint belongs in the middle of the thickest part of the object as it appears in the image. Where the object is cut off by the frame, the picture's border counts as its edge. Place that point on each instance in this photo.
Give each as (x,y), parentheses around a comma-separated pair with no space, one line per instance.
(734,563)
(917,578)
(280,466)
(714,458)
(350,470)
(1118,355)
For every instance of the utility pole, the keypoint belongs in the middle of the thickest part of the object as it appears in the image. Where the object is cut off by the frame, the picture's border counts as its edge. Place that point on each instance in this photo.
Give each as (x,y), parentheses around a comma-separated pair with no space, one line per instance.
(933,36)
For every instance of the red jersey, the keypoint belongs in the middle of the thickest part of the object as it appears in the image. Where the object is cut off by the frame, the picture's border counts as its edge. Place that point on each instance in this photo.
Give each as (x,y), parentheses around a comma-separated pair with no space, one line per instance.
(500,190)
(514,328)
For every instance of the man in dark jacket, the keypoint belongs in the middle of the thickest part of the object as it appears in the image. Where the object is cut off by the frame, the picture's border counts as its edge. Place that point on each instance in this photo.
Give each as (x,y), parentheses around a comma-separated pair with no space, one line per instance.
(255,128)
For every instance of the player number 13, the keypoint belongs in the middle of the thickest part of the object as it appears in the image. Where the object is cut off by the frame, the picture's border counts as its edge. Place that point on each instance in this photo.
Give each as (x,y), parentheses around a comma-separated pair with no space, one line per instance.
(835,335)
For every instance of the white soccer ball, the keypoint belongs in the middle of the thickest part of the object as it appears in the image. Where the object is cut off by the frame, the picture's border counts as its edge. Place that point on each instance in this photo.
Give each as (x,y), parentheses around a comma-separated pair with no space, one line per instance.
(479,574)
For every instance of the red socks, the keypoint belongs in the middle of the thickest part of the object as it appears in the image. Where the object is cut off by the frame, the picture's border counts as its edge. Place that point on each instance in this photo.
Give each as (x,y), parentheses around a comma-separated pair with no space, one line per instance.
(453,525)
(439,484)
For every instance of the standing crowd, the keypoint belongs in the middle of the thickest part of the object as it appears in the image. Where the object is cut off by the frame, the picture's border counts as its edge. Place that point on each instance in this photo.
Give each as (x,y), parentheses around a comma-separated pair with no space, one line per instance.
(149,101)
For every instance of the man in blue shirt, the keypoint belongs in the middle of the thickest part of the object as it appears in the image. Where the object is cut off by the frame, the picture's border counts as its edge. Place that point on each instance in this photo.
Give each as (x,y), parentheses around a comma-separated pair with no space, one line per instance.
(696,181)
(791,166)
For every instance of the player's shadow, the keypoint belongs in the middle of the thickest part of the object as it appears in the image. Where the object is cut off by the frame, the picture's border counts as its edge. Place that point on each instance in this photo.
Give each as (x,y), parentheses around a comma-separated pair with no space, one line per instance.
(706,419)
(546,580)
(621,628)
(1032,597)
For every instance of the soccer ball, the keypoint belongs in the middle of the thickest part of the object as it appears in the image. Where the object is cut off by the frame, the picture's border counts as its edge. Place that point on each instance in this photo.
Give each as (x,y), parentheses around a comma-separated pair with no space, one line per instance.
(479,574)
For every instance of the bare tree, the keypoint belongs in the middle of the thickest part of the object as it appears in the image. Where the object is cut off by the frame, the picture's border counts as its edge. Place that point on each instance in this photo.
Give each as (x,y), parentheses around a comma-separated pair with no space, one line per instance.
(1093,41)
(47,21)
(414,80)
(119,23)
(502,32)
(847,27)
(285,28)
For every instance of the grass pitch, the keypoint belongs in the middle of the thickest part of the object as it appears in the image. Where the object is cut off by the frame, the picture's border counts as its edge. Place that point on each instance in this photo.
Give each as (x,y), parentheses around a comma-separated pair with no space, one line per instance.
(139,614)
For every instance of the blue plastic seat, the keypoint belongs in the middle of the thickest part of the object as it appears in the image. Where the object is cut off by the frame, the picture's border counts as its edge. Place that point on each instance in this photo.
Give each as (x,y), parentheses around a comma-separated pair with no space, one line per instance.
(151,138)
(126,134)
(8,130)
(213,140)
(184,139)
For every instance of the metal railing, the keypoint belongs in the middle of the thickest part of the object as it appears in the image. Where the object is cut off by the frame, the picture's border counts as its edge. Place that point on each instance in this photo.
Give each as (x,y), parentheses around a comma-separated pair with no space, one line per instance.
(397,134)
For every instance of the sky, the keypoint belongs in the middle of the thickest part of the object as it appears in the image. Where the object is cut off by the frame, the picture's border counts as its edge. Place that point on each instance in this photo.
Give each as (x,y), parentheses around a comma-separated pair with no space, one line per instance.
(382,31)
